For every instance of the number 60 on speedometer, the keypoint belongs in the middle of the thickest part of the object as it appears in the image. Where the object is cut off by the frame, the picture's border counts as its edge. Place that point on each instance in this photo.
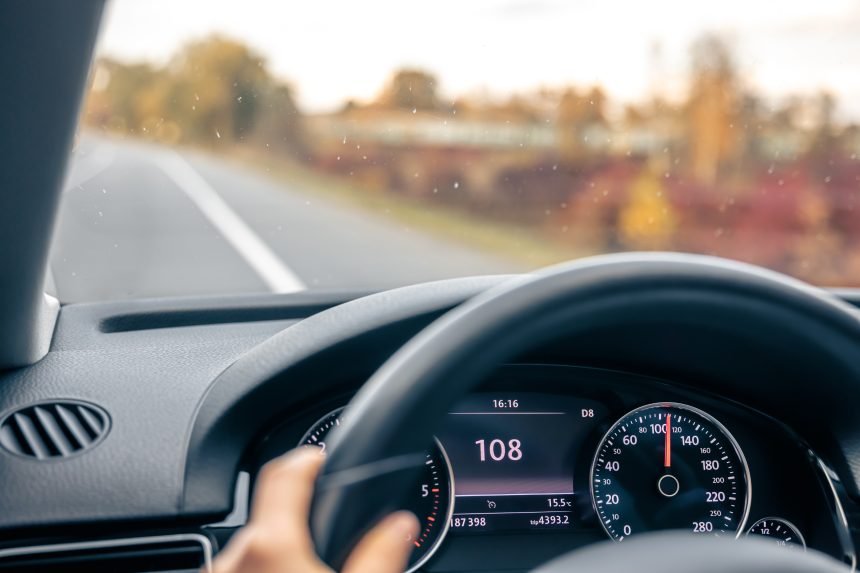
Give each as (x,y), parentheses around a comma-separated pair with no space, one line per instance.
(669,466)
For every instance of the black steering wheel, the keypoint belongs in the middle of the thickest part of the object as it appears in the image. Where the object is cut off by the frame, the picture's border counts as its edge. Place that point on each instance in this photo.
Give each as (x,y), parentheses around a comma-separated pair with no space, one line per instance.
(376,451)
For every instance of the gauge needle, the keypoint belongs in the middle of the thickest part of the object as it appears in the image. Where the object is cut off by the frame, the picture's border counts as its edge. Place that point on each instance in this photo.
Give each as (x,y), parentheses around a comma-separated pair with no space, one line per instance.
(667,450)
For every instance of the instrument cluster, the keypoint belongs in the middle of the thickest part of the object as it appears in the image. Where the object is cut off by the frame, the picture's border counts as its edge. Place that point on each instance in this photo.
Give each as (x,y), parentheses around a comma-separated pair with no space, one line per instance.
(552,458)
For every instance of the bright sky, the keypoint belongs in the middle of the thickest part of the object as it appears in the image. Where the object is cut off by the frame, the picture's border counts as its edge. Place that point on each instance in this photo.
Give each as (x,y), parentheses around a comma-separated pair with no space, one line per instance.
(331,50)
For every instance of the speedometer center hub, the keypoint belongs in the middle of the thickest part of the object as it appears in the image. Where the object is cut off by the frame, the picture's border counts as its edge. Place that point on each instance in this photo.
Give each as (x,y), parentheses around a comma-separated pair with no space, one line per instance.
(668,485)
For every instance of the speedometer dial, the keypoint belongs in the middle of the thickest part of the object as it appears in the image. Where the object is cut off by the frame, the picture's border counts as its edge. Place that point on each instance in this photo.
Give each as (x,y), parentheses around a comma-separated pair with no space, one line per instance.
(670,466)
(431,501)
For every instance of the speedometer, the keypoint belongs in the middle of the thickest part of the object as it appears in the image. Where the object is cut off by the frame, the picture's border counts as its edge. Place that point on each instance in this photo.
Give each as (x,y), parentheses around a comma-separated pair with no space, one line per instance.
(432,498)
(670,466)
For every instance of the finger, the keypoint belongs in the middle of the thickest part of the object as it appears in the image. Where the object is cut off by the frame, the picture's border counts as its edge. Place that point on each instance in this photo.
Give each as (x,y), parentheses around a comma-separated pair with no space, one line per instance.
(284,492)
(387,547)
(229,558)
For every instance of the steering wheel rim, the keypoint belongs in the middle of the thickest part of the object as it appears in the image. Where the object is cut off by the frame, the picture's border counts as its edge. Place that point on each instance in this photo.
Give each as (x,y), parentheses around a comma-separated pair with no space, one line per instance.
(377,449)
(675,552)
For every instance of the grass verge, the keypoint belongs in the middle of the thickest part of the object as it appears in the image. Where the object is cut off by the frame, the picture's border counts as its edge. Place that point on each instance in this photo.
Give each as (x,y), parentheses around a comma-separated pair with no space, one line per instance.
(525,248)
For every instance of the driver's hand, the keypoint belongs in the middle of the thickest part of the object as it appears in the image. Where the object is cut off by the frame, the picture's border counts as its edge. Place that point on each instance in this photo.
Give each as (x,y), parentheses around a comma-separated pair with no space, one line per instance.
(277,538)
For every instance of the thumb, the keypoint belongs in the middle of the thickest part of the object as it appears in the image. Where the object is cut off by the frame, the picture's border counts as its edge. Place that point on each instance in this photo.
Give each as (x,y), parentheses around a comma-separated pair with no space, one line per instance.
(386,548)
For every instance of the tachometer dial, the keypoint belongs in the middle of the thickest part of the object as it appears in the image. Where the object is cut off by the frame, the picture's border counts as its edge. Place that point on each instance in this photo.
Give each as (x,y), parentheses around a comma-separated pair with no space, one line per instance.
(781,531)
(433,494)
(670,466)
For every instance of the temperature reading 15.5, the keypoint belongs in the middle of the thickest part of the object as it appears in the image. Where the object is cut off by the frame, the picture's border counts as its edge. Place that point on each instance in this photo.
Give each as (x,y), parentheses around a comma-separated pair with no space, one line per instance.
(499,450)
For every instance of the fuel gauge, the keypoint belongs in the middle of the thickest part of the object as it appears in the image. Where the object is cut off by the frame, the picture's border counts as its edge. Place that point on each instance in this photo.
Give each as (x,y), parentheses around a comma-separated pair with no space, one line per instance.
(781,531)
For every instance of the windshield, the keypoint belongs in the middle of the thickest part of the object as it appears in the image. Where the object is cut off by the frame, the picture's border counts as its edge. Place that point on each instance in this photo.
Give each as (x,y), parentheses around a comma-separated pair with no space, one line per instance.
(265,146)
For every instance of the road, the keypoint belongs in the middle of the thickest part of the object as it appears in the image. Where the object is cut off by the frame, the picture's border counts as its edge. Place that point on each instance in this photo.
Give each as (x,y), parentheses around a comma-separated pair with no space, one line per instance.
(138,220)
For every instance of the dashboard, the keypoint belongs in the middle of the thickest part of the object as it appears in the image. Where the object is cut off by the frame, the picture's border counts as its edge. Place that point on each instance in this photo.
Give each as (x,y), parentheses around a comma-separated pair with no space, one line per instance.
(514,460)
(543,459)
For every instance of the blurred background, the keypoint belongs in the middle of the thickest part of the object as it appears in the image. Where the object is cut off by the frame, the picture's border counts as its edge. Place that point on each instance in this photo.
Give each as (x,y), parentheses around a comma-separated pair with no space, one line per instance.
(371,144)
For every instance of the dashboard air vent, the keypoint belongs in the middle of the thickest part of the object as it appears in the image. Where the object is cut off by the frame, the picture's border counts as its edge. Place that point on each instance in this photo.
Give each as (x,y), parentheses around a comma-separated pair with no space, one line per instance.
(51,430)
(180,553)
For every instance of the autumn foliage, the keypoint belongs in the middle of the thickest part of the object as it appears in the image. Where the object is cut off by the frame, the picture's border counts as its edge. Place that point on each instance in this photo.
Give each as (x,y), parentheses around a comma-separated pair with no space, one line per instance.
(719,170)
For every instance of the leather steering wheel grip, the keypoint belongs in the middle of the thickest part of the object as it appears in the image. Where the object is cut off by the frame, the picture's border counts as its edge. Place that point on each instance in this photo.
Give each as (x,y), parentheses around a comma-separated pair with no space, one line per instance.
(682,552)
(373,453)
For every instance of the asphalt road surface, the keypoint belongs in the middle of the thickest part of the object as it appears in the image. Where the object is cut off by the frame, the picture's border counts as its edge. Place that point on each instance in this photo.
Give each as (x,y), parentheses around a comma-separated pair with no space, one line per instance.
(139,220)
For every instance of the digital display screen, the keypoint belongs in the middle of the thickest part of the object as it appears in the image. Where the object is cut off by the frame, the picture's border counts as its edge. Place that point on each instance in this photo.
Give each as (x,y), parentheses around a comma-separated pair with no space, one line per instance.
(513,458)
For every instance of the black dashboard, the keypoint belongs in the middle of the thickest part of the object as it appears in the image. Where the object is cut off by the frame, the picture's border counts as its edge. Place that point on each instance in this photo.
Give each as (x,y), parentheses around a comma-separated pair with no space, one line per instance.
(524,452)
(249,378)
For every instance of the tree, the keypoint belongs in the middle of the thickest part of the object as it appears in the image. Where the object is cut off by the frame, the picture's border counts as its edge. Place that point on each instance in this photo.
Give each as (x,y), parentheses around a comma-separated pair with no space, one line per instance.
(410,89)
(713,108)
(212,89)
(280,125)
(125,94)
(824,146)
(577,113)
(217,89)
(647,220)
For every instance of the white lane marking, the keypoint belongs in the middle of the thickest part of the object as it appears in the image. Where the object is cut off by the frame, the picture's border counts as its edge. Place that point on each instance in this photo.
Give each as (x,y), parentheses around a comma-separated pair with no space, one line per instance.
(249,245)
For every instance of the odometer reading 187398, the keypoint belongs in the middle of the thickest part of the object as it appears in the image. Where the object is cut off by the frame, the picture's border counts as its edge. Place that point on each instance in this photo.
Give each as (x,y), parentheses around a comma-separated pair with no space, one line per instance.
(669,466)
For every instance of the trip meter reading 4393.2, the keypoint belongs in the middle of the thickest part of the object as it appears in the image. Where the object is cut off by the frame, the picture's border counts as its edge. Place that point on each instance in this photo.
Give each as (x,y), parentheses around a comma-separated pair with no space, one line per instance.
(670,466)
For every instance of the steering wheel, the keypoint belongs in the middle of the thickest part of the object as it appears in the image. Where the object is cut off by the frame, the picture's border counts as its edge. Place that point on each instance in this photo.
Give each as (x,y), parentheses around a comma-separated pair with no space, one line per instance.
(374,454)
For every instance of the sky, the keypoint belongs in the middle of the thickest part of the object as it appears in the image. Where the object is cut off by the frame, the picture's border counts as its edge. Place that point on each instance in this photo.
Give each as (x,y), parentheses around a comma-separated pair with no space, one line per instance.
(330,50)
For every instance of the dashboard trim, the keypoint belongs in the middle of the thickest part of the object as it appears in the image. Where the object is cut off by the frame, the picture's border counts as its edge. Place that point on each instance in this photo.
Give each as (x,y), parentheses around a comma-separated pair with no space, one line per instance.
(840,518)
(448,515)
(337,414)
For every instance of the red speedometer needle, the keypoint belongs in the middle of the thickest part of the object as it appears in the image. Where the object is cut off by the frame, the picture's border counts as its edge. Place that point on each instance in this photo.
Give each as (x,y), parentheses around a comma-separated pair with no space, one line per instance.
(667,450)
